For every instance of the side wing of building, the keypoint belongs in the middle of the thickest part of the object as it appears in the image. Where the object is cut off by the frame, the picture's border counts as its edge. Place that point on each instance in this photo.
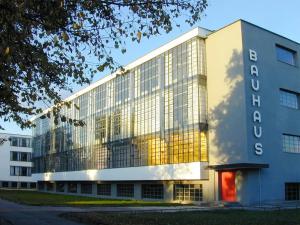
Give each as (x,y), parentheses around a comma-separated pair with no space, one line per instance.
(15,161)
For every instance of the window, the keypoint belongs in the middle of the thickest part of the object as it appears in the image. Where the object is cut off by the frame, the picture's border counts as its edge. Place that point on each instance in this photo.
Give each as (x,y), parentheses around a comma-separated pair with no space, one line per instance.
(32,185)
(285,55)
(117,122)
(24,185)
(5,184)
(100,128)
(41,186)
(103,189)
(49,186)
(14,171)
(23,171)
(289,99)
(125,190)
(188,192)
(24,142)
(20,171)
(153,191)
(291,143)
(86,188)
(14,141)
(72,187)
(20,156)
(20,142)
(13,156)
(24,156)
(60,187)
(292,191)
(14,184)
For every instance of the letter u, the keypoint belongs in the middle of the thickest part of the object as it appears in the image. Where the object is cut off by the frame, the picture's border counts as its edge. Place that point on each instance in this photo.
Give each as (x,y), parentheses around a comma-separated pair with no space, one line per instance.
(255,84)
(257,131)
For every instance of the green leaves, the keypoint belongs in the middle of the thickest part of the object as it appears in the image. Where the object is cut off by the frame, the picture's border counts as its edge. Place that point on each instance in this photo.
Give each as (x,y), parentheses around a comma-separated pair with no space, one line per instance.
(48,46)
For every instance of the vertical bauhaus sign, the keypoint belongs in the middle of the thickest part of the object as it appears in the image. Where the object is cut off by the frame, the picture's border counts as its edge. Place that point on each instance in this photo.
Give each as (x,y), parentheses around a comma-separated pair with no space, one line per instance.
(256,102)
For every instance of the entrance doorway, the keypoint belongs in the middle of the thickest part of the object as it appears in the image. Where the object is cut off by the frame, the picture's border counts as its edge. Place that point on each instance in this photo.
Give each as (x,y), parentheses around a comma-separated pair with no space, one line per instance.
(227,186)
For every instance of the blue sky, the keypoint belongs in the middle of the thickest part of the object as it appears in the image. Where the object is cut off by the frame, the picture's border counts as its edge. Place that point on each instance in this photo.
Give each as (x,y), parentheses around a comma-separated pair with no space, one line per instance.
(281,17)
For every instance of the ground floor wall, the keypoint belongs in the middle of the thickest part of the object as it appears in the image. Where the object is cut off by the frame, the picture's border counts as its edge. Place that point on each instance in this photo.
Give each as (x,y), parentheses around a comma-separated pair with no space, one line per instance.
(250,187)
(18,184)
(167,191)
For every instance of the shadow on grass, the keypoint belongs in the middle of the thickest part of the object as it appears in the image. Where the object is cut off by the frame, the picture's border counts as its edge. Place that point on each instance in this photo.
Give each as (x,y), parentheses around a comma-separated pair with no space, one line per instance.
(218,217)
(35,198)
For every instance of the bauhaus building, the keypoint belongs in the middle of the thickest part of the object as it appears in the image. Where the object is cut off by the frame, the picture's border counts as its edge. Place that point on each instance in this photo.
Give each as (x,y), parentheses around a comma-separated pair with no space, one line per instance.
(210,116)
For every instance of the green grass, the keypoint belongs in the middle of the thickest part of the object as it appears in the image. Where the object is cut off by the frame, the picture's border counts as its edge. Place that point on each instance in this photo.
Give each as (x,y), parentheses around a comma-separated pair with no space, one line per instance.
(49,199)
(219,217)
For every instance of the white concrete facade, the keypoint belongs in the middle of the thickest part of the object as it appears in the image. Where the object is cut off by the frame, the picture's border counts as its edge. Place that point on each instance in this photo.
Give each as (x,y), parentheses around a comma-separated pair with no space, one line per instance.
(182,171)
(6,162)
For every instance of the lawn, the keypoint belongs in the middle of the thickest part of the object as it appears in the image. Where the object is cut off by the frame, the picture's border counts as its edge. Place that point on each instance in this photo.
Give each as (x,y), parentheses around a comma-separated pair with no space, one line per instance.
(219,217)
(49,199)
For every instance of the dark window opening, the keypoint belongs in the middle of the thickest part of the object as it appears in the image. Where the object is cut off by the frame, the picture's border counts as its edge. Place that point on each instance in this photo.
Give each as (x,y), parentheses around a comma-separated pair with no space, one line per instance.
(49,186)
(86,188)
(24,185)
(286,55)
(153,191)
(104,189)
(14,184)
(60,187)
(72,187)
(292,191)
(5,184)
(32,185)
(125,190)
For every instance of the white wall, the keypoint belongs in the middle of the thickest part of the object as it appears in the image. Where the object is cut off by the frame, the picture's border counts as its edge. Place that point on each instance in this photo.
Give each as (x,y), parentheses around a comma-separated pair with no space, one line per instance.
(182,171)
(5,162)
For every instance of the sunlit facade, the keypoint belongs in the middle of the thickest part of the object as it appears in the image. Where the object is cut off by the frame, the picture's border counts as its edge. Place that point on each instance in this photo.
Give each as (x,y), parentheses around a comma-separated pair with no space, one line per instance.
(155,114)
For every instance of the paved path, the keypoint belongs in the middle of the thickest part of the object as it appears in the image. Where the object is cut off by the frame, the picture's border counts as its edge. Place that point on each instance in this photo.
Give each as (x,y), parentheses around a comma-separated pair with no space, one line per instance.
(30,215)
(48,215)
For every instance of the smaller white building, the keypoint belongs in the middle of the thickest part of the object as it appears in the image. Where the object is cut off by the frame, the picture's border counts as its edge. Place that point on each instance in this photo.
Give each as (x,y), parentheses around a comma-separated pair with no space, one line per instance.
(16,161)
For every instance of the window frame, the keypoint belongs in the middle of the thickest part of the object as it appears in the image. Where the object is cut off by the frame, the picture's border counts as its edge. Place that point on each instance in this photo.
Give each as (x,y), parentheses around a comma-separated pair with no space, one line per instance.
(281,91)
(293,52)
(292,191)
(290,136)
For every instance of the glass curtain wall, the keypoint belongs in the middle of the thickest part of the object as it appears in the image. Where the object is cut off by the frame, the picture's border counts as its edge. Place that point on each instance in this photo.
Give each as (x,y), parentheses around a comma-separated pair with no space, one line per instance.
(154,114)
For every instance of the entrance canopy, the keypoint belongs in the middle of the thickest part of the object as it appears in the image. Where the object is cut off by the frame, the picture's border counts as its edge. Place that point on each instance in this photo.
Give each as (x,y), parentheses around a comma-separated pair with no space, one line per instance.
(238,166)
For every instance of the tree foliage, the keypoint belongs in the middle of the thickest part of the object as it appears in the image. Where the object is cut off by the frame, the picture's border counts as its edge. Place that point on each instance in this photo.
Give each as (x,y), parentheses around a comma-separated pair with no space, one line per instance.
(46,45)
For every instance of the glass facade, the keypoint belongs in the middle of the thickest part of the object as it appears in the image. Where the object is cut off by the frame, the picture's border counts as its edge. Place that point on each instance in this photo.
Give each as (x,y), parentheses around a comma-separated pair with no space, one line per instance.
(154,114)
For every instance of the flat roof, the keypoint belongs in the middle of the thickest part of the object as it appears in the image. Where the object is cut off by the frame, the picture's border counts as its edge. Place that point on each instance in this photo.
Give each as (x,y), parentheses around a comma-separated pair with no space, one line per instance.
(14,134)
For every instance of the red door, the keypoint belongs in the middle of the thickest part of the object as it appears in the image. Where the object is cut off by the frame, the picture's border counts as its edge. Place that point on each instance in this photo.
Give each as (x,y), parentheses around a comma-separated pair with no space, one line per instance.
(227,184)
